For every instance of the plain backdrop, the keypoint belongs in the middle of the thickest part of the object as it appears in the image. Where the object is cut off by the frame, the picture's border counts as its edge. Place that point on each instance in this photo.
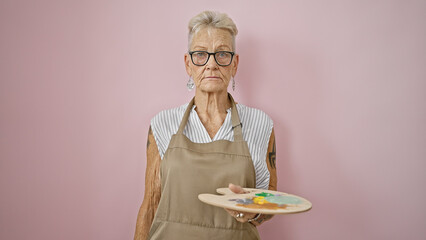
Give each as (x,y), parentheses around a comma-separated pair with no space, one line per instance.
(344,82)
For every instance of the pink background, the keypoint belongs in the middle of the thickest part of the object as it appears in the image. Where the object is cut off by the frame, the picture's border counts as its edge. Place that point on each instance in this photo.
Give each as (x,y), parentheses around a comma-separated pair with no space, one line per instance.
(344,81)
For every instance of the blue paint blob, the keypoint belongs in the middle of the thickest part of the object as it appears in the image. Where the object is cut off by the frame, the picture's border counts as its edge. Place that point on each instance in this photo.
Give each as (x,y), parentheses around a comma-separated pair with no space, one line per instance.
(245,201)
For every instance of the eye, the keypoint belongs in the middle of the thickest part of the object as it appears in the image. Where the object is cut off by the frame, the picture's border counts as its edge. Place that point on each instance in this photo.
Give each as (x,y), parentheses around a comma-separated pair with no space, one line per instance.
(223,55)
(200,54)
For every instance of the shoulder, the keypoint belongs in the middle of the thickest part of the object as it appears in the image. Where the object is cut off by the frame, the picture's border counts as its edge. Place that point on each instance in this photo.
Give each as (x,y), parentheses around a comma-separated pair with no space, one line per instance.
(250,114)
(256,125)
(168,119)
(166,123)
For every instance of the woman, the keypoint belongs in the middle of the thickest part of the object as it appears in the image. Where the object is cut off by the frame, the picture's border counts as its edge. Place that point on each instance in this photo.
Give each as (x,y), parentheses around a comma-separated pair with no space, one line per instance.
(204,145)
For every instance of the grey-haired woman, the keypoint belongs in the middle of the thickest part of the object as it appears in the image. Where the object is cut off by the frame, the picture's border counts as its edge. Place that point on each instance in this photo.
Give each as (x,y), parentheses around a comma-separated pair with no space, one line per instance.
(206,144)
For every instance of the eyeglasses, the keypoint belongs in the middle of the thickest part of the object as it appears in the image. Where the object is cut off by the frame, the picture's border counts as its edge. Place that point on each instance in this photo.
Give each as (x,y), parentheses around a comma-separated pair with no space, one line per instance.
(222,58)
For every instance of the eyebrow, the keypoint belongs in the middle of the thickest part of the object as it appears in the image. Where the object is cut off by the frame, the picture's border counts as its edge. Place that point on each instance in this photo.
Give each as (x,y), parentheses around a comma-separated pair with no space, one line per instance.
(199,47)
(223,46)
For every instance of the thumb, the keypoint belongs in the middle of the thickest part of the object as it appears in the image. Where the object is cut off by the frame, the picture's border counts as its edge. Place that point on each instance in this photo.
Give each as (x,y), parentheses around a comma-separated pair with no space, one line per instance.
(236,188)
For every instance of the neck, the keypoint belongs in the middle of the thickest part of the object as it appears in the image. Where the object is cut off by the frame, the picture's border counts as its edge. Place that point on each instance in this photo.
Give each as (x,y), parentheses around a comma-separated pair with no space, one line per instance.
(212,102)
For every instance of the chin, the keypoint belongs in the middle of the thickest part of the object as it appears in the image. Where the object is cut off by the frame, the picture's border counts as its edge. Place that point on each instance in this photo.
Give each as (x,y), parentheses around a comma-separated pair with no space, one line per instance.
(213,89)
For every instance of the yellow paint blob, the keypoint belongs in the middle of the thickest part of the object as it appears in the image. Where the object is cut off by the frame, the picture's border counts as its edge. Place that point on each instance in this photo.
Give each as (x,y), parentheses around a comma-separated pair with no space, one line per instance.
(259,200)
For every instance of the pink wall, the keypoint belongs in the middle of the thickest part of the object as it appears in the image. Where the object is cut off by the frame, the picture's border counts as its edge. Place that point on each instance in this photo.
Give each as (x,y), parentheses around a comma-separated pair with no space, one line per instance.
(344,81)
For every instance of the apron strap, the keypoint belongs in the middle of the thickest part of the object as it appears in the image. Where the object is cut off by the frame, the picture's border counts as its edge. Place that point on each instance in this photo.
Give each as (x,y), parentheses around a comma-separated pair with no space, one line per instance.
(185,116)
(235,119)
(237,126)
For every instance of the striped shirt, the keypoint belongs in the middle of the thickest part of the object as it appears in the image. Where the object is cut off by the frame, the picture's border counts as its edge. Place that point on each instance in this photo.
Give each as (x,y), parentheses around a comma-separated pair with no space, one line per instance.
(256,127)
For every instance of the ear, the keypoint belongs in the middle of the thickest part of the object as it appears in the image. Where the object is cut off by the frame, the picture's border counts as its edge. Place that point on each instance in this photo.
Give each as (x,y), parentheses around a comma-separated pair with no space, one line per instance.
(187,60)
(235,61)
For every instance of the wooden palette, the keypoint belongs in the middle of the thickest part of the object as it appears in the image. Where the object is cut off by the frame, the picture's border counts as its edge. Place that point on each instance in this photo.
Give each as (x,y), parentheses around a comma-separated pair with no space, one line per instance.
(266,201)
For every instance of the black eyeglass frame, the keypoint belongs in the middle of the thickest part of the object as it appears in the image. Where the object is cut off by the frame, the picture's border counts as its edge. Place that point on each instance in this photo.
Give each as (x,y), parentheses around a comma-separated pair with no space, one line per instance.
(214,55)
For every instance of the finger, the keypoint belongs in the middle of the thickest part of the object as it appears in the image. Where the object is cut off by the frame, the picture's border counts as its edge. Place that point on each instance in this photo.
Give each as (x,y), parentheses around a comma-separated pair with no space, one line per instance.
(236,188)
(234,215)
(232,212)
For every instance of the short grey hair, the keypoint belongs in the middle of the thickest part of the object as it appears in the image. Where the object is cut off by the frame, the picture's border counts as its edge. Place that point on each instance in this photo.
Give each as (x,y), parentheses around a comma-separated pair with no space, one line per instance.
(211,19)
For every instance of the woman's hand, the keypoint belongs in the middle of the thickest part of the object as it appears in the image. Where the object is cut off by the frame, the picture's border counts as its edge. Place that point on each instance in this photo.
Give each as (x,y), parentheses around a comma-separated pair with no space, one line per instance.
(239,216)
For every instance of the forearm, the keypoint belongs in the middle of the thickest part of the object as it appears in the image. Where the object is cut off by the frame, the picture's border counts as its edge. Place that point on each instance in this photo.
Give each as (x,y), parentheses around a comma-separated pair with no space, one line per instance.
(144,221)
(152,190)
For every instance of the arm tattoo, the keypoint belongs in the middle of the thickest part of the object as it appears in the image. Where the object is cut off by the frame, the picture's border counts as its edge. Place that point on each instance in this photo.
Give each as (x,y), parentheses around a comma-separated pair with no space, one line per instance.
(267,217)
(263,217)
(272,156)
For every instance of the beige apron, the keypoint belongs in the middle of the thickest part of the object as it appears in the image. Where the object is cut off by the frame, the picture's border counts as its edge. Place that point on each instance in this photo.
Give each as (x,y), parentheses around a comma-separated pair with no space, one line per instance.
(189,169)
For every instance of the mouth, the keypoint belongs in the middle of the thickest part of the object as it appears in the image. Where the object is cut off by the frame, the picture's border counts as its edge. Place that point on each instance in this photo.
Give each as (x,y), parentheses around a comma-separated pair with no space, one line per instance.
(212,78)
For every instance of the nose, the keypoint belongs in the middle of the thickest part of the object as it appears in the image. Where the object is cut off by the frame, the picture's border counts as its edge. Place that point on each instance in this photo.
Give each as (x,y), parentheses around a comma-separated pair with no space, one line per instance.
(211,63)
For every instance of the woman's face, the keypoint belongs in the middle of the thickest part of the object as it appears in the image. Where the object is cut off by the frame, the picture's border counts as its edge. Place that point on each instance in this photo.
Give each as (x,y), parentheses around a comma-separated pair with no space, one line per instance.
(211,77)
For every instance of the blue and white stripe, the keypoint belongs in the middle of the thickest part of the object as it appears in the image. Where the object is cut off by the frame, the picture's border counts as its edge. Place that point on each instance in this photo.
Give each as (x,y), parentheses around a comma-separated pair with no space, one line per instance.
(257,128)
